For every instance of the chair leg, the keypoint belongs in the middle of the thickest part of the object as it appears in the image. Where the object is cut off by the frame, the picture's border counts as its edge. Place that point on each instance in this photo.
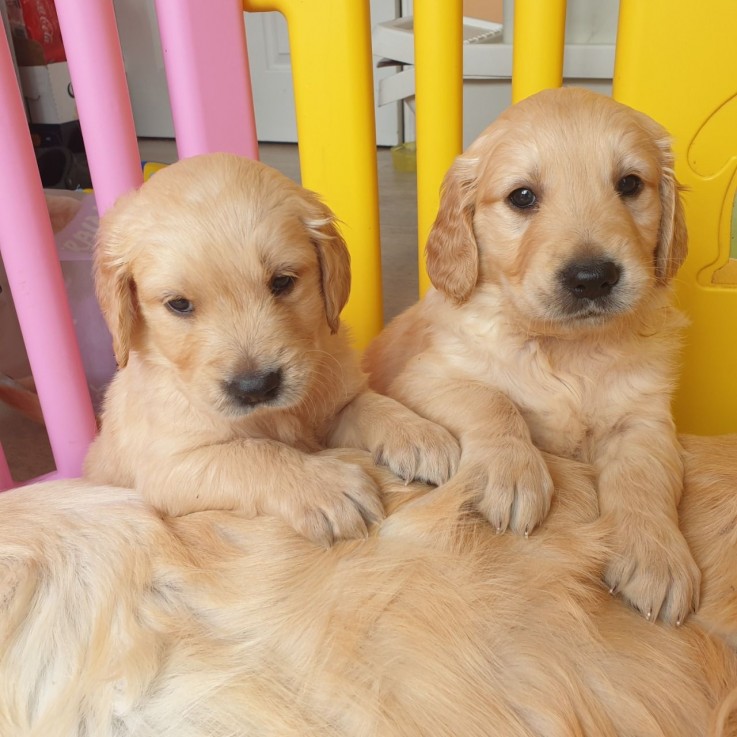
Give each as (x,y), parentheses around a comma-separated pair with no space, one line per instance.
(101,92)
(438,28)
(211,112)
(36,283)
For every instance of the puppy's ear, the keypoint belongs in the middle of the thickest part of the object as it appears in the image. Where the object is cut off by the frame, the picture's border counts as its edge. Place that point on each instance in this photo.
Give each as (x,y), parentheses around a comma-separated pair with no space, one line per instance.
(334,259)
(451,252)
(672,246)
(114,284)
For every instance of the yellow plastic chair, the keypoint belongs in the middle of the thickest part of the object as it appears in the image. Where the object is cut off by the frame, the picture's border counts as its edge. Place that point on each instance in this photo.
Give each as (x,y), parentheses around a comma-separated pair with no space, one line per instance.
(678,64)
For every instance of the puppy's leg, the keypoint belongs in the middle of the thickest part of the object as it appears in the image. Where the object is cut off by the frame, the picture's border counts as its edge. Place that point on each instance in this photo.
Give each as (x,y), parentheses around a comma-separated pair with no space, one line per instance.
(640,485)
(395,492)
(323,498)
(412,447)
(515,487)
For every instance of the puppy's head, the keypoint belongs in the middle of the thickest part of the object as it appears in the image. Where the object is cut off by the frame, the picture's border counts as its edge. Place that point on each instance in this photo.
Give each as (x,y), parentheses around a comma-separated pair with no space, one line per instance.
(568,205)
(229,275)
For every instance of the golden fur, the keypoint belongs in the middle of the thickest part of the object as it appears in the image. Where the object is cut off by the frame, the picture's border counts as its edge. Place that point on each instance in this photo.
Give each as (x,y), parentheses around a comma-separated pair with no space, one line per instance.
(515,353)
(219,276)
(115,622)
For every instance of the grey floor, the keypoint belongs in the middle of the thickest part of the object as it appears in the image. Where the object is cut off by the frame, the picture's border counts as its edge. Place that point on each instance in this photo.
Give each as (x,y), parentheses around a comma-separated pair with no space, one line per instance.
(25,443)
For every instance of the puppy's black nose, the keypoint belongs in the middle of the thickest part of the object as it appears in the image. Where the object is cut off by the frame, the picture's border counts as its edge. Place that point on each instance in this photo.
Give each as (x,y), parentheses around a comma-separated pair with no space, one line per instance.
(591,279)
(255,387)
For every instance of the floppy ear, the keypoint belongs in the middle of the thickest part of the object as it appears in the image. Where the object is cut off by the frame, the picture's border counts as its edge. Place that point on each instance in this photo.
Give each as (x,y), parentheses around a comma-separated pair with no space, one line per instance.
(451,252)
(672,246)
(335,263)
(114,284)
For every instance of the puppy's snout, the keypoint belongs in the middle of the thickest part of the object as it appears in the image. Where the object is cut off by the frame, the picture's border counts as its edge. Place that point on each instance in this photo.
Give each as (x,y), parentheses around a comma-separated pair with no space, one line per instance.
(254,387)
(591,279)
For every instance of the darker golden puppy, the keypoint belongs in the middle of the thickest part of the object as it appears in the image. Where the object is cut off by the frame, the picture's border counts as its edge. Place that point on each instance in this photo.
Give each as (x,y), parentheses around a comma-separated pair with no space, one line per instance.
(115,622)
(222,283)
(551,328)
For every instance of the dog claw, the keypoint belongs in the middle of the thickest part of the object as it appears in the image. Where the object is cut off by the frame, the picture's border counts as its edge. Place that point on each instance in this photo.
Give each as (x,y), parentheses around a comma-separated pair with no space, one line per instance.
(527,532)
(649,615)
(613,590)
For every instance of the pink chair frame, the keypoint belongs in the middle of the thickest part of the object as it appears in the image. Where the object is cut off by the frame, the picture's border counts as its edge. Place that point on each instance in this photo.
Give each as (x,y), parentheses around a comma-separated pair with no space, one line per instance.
(209,115)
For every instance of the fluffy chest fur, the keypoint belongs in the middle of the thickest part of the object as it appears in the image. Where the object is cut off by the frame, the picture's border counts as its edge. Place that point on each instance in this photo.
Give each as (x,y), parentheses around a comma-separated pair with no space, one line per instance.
(571,390)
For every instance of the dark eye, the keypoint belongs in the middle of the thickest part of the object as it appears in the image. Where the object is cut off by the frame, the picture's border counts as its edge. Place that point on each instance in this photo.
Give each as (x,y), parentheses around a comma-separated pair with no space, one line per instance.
(180,306)
(282,284)
(629,186)
(522,198)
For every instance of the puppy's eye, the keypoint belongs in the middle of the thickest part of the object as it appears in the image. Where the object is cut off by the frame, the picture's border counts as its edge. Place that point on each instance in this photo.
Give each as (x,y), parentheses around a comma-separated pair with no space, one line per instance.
(522,198)
(180,306)
(282,284)
(629,186)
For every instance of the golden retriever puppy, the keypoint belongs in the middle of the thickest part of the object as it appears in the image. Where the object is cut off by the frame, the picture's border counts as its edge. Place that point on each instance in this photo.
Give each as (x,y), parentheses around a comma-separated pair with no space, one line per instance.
(115,622)
(222,283)
(551,328)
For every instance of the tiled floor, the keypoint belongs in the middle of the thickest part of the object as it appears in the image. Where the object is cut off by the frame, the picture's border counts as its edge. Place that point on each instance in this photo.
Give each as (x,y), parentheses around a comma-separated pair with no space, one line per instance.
(25,443)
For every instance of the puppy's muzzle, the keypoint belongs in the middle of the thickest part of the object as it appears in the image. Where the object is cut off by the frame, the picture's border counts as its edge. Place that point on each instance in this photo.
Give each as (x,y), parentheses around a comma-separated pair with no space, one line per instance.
(254,387)
(590,280)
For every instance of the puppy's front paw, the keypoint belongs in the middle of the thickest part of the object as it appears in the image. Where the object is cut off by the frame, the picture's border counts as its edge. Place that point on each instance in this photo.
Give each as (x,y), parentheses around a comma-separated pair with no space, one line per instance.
(417,449)
(516,487)
(652,567)
(334,501)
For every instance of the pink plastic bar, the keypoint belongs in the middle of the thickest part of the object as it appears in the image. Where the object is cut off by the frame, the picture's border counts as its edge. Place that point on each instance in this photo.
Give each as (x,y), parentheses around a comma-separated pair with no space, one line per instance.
(98,77)
(36,282)
(6,480)
(206,61)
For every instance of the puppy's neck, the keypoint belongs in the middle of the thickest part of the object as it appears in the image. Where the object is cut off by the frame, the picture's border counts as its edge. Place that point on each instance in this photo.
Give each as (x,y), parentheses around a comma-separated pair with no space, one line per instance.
(654,314)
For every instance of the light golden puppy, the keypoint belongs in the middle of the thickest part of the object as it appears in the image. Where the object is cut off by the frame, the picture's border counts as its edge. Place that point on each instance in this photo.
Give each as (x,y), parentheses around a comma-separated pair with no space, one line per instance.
(115,622)
(551,328)
(222,283)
